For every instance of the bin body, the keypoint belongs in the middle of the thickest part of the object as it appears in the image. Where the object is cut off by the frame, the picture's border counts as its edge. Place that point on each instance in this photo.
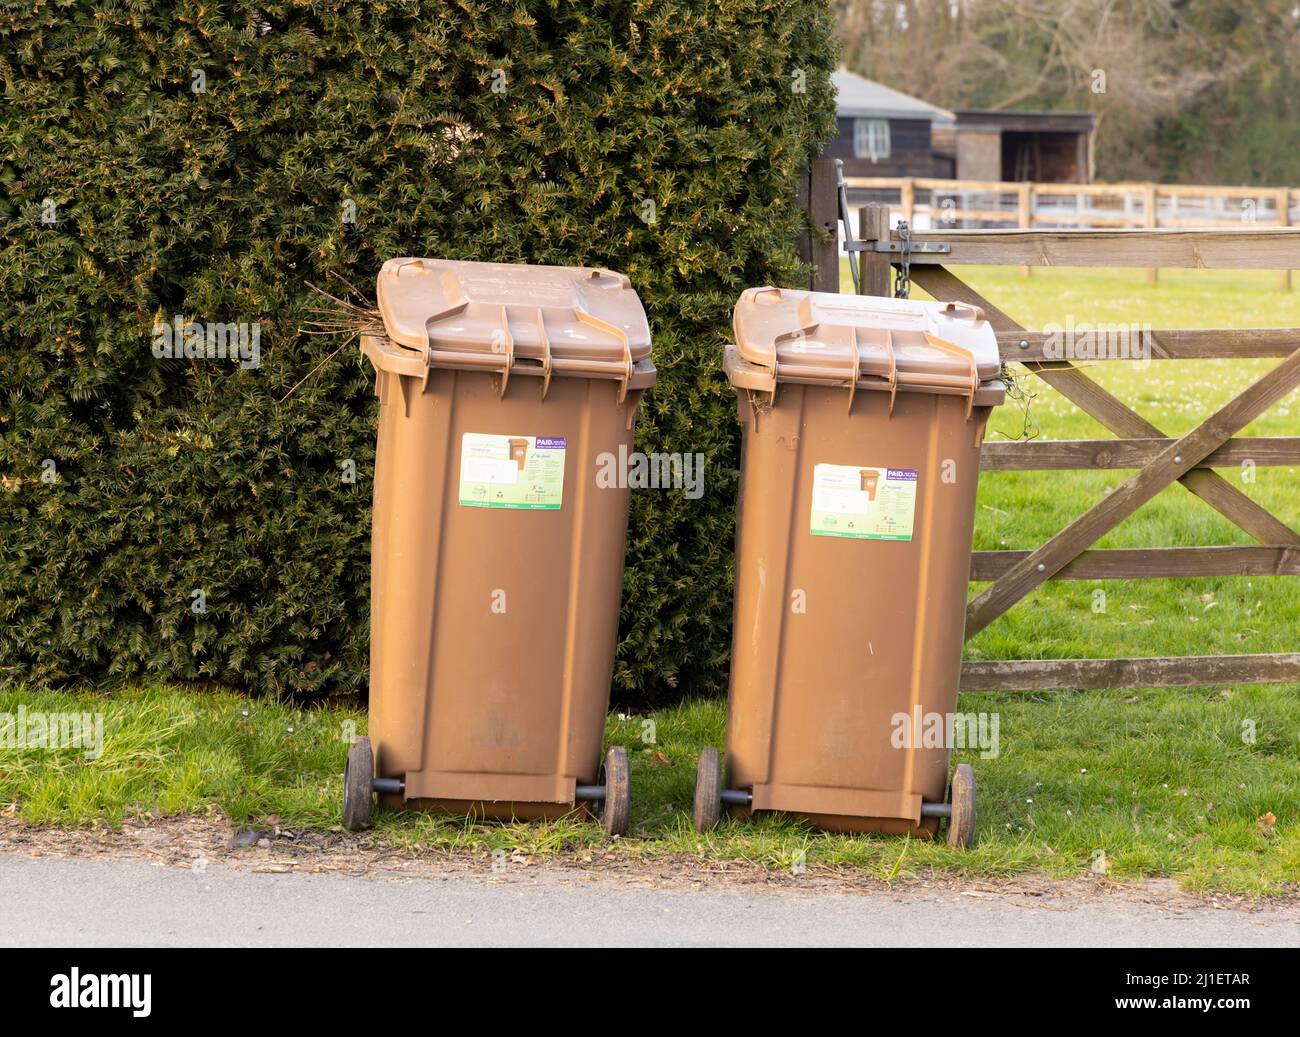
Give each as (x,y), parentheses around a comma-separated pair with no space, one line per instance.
(497,559)
(854,528)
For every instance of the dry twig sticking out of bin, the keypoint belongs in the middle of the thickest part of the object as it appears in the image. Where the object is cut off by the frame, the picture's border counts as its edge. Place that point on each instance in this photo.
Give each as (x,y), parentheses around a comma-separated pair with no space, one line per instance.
(339,317)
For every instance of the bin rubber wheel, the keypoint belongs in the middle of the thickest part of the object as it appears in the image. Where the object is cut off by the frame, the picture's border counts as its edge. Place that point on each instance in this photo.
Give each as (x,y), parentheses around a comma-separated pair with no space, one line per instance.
(708,790)
(961,823)
(358,784)
(618,792)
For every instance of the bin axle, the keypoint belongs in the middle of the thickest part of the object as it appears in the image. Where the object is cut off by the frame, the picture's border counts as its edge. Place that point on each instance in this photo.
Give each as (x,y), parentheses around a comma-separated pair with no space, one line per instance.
(396,786)
(360,786)
(741,798)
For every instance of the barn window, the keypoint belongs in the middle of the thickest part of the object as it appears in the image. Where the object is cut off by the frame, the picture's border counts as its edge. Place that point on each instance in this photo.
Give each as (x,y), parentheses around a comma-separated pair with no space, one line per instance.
(871,138)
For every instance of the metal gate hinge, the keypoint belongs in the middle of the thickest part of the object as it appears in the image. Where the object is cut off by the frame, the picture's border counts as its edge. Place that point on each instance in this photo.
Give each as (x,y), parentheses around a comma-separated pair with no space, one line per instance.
(933,247)
(915,246)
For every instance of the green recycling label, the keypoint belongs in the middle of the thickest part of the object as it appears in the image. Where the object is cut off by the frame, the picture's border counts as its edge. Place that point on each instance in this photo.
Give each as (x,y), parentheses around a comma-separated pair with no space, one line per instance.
(512,471)
(869,503)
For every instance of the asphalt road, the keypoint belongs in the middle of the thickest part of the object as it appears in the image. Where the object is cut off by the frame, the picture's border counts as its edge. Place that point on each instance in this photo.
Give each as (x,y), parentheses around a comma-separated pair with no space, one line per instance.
(67,902)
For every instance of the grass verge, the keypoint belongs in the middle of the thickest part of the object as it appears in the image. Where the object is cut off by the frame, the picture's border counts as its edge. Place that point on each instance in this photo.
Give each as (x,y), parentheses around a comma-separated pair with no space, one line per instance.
(1130,785)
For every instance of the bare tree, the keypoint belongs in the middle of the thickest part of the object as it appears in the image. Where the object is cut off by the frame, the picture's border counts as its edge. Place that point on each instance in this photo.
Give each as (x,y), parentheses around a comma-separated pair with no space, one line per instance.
(1136,63)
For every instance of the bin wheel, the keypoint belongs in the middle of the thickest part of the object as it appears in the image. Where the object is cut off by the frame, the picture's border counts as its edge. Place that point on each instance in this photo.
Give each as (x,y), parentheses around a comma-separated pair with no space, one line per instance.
(358,784)
(708,790)
(618,792)
(961,823)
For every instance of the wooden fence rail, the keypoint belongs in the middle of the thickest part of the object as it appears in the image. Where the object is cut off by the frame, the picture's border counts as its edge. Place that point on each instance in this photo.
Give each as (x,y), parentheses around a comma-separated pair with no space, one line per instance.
(1043,455)
(1157,460)
(1158,672)
(946,205)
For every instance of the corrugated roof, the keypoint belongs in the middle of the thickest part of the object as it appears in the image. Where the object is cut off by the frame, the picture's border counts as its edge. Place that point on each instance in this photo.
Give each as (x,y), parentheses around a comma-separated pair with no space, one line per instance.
(864,98)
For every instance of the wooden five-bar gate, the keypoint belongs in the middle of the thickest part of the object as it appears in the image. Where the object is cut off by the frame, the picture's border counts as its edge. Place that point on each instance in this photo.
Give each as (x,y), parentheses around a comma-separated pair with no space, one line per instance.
(1160,459)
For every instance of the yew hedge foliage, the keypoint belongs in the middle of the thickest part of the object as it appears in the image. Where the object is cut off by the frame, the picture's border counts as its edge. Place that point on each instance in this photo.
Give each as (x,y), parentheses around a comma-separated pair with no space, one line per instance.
(199,162)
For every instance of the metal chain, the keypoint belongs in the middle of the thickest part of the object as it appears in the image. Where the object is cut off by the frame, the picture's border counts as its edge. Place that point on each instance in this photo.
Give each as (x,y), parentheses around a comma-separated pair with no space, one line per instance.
(903,279)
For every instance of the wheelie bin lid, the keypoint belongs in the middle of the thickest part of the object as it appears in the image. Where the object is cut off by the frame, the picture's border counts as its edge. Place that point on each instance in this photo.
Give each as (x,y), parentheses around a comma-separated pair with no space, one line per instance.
(573,317)
(784,334)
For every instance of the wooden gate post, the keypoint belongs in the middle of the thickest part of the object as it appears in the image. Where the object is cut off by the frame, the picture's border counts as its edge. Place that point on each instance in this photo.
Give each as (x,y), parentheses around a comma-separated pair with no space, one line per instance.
(873,222)
(1150,220)
(1284,220)
(819,245)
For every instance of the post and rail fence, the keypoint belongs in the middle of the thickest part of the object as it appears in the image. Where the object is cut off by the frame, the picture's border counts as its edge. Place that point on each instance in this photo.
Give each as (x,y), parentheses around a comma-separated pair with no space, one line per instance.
(935,204)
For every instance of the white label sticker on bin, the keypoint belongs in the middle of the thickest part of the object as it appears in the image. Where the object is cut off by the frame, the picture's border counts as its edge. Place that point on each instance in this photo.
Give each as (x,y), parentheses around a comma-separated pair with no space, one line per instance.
(868,503)
(512,471)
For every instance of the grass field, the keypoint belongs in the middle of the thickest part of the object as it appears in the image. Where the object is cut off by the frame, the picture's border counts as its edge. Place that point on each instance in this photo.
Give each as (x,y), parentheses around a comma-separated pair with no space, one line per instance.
(1125,783)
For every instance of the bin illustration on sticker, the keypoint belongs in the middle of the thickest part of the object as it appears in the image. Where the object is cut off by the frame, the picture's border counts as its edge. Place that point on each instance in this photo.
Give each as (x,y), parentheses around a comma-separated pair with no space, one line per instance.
(525,472)
(870,477)
(863,503)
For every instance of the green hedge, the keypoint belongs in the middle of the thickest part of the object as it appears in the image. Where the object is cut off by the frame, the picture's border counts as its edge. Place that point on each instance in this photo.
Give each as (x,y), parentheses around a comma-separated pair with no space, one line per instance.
(474,130)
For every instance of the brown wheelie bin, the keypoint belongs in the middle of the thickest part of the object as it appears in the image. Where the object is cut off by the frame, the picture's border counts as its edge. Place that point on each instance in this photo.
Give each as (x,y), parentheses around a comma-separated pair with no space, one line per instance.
(497,559)
(862,421)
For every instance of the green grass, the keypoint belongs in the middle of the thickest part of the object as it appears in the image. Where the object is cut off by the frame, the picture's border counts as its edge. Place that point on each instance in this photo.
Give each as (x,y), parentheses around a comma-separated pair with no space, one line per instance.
(1159,781)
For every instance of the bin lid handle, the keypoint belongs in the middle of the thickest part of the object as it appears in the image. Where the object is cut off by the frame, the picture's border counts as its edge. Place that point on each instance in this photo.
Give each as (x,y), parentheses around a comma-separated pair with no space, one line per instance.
(855,371)
(959,310)
(435,318)
(451,311)
(958,351)
(629,366)
(893,371)
(805,331)
(506,352)
(509,351)
(546,351)
(799,334)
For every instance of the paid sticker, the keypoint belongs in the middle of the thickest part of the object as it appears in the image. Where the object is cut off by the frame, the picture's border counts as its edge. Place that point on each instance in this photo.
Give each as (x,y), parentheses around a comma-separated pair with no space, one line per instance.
(863,503)
(512,471)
